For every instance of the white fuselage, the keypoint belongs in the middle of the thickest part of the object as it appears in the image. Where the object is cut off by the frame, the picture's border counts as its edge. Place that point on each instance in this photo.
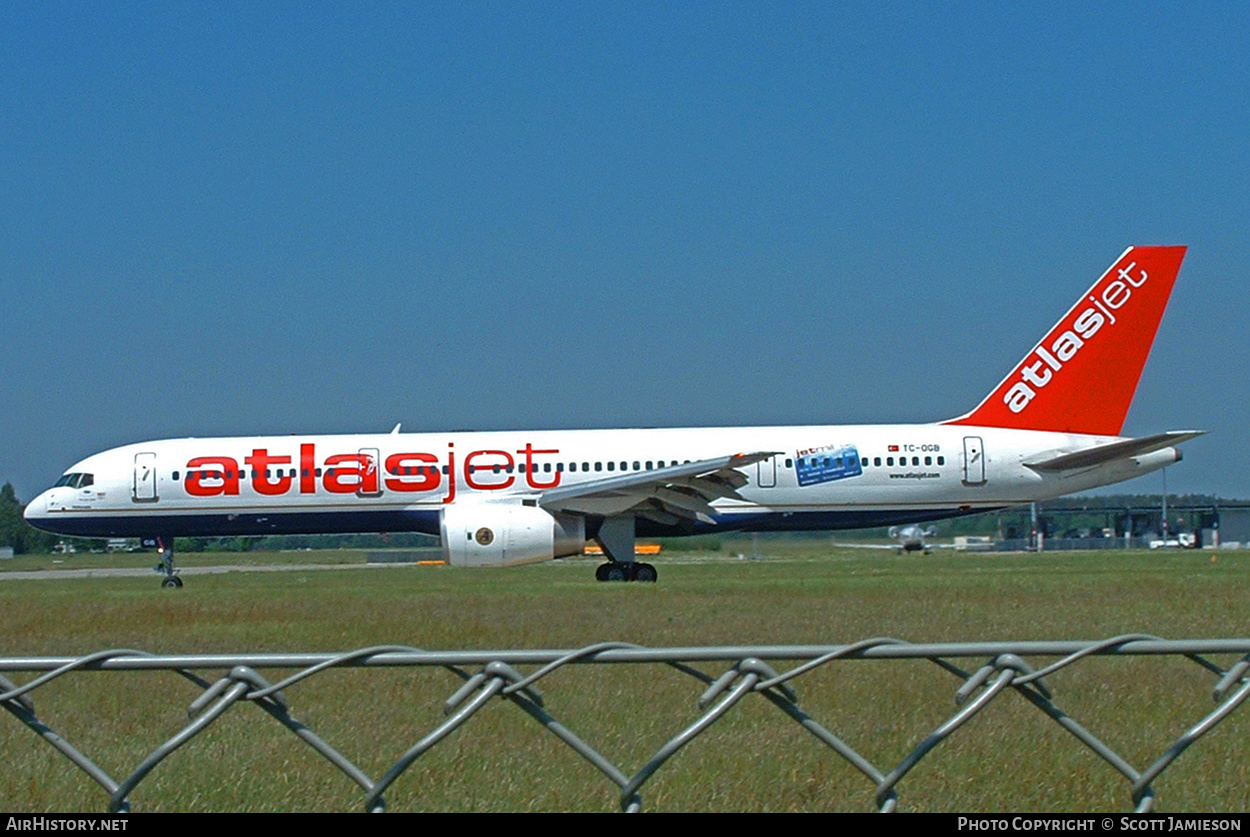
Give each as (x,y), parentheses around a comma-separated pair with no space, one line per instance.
(820,477)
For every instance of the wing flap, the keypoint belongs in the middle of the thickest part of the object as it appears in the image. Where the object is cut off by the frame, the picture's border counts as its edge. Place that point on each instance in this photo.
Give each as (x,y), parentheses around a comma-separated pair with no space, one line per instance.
(678,491)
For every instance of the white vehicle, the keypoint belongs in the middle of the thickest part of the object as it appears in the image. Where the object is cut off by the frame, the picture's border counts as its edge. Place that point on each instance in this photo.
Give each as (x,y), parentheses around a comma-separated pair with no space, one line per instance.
(504,498)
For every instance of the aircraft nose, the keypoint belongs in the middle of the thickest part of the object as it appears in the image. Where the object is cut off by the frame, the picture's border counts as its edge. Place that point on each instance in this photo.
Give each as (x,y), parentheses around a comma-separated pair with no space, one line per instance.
(36,509)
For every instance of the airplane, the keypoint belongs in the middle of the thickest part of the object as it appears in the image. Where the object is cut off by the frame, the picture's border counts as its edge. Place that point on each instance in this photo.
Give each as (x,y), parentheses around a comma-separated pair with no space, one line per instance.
(1051,427)
(910,538)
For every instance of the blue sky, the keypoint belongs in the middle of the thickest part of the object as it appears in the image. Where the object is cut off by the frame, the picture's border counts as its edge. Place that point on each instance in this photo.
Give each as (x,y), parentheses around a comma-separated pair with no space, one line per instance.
(234,219)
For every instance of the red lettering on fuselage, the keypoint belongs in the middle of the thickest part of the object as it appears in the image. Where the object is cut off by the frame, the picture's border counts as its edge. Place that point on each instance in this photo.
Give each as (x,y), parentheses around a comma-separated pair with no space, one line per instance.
(451,473)
(224,476)
(260,460)
(531,467)
(401,465)
(307,469)
(496,462)
(363,474)
(359,473)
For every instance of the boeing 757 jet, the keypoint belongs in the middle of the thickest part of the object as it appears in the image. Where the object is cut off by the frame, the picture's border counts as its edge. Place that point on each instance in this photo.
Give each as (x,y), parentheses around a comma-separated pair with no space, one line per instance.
(1052,427)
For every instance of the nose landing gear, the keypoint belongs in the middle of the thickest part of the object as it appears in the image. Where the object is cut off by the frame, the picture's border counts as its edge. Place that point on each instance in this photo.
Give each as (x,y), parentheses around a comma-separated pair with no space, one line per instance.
(166,548)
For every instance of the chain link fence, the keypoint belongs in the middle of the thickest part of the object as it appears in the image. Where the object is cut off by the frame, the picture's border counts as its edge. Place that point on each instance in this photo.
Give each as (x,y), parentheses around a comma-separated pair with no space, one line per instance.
(723,679)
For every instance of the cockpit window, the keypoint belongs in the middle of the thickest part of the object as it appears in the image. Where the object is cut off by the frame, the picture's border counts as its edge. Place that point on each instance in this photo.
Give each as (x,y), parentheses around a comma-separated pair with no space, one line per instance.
(75,480)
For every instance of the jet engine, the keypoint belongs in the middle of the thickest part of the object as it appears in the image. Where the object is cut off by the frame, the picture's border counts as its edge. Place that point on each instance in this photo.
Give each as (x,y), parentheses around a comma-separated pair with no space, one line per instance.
(507,534)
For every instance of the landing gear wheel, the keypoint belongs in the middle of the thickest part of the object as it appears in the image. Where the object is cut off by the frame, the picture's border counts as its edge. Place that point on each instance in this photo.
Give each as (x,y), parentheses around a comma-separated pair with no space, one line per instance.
(165,546)
(621,571)
(645,573)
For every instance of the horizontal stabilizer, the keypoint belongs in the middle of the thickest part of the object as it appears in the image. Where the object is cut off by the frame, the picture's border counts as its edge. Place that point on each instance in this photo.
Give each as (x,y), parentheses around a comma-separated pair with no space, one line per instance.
(1123,449)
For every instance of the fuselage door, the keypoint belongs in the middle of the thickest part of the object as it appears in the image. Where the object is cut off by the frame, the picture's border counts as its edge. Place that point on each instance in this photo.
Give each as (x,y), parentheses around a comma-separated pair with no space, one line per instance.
(145,478)
(370,477)
(766,472)
(974,461)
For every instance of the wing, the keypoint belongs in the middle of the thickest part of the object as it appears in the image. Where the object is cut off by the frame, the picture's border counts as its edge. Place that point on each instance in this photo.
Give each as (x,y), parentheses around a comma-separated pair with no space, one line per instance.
(665,495)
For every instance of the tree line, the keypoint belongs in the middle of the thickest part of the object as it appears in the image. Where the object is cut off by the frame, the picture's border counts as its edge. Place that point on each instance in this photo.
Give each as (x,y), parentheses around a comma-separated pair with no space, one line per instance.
(15,531)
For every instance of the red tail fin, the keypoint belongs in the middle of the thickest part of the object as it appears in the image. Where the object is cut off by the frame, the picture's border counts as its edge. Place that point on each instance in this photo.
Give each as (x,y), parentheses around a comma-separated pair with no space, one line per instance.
(1081,377)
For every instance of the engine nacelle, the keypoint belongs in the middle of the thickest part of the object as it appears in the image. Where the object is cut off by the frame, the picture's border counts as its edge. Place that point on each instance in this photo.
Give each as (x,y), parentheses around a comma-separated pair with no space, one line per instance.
(507,534)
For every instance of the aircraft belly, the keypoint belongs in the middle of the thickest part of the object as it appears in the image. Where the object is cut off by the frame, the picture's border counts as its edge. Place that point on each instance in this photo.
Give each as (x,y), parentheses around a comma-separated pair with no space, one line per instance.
(183,523)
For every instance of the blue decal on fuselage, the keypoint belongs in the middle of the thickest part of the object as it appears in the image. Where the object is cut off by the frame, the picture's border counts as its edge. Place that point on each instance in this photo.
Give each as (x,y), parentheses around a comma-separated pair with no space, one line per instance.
(826,464)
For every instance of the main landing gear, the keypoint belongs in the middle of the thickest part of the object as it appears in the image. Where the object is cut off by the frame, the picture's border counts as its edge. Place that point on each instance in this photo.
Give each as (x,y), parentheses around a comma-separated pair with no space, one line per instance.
(166,548)
(625,571)
(616,536)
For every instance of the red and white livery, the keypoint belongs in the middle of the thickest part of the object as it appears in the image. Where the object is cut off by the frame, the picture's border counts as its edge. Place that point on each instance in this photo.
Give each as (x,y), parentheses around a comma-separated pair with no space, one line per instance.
(503,498)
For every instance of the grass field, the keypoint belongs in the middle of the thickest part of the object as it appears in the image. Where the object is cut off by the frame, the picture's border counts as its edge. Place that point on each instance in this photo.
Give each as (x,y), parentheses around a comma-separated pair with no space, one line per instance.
(1008,758)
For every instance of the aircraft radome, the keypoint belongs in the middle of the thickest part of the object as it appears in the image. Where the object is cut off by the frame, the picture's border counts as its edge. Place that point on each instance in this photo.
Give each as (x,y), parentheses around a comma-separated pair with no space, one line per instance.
(1052,427)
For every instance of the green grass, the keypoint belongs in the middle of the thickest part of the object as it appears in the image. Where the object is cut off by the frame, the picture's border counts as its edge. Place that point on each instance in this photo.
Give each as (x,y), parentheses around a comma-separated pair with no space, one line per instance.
(1008,758)
(147,559)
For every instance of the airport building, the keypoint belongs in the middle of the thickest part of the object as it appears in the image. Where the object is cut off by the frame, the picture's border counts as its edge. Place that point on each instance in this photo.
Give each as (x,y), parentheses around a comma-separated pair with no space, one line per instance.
(1065,524)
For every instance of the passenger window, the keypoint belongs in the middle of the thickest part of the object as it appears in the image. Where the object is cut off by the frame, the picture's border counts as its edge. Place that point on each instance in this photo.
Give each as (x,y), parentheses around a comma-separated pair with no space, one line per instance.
(175,476)
(876,460)
(941,460)
(928,460)
(889,460)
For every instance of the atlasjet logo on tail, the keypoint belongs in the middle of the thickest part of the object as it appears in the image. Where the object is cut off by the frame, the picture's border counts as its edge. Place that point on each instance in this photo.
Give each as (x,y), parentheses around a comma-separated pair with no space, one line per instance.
(1049,361)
